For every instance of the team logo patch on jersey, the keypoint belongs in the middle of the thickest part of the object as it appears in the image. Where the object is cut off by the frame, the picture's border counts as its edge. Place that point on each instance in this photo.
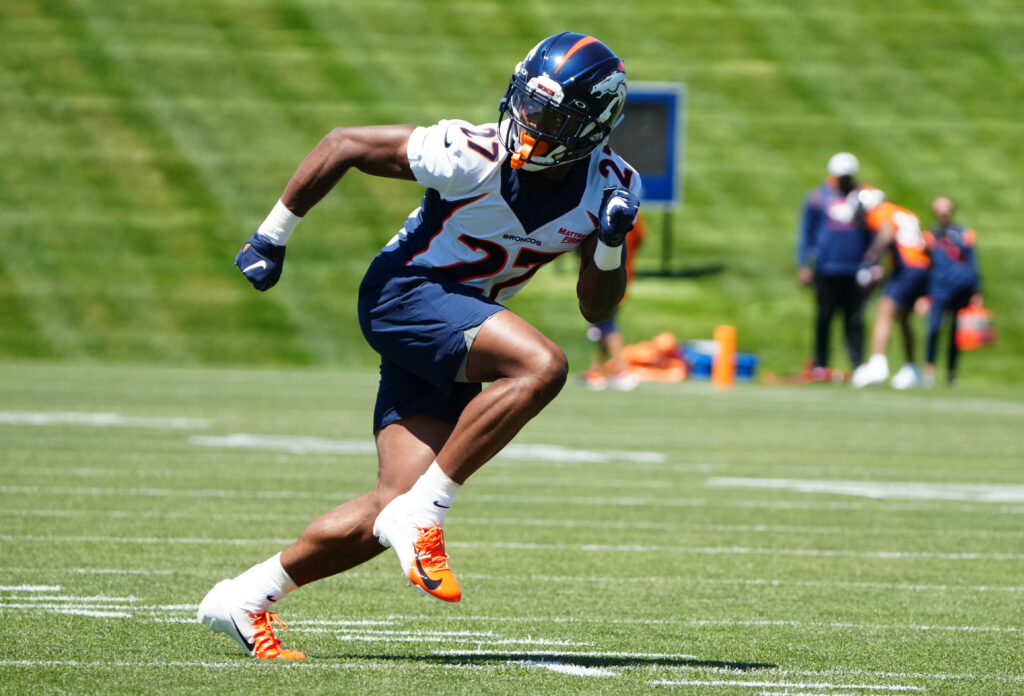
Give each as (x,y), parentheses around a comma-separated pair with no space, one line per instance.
(570,237)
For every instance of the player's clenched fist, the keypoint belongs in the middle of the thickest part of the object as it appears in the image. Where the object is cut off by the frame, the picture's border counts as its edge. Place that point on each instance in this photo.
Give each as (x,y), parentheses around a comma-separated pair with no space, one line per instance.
(618,214)
(261,261)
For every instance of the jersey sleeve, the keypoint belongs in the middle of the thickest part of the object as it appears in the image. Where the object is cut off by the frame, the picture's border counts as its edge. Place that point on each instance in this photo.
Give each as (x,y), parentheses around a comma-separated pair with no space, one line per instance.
(453,157)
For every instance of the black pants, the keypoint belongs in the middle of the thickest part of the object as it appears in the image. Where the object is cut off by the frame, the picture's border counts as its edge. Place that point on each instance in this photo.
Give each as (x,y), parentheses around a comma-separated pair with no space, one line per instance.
(946,304)
(843,293)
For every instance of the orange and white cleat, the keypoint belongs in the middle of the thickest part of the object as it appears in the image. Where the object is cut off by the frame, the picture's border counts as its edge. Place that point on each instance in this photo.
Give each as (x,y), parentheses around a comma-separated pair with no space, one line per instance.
(429,571)
(420,551)
(254,631)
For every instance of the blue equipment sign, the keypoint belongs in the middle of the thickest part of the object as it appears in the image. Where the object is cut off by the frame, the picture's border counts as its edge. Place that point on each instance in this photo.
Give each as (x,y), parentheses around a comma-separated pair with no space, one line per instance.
(651,138)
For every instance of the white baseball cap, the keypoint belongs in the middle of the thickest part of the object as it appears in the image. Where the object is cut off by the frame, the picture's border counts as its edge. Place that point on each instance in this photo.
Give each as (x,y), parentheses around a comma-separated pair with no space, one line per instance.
(843,164)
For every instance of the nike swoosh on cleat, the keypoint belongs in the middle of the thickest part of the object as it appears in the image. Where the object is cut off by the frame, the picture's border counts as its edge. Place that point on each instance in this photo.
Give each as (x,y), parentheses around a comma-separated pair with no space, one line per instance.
(250,645)
(428,581)
(447,140)
(446,507)
(261,264)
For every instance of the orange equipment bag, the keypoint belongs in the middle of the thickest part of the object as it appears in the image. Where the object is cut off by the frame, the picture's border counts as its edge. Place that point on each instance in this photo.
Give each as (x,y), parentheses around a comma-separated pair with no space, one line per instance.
(974,328)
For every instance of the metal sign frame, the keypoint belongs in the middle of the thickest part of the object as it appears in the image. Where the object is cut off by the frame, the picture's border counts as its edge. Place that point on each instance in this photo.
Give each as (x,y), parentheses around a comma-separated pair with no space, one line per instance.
(662,187)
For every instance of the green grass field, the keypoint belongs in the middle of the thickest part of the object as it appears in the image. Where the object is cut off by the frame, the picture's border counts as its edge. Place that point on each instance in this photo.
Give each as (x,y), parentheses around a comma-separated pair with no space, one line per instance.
(766,540)
(143,141)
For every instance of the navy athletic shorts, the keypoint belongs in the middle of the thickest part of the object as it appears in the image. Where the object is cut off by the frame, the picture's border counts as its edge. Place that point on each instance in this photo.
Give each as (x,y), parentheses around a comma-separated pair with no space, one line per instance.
(908,284)
(416,319)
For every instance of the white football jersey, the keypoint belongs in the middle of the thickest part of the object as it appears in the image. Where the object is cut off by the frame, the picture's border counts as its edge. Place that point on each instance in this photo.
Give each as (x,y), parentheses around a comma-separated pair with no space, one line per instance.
(487,225)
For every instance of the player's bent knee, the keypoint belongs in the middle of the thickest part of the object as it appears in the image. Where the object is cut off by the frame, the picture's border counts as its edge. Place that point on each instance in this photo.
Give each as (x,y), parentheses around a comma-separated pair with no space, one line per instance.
(550,369)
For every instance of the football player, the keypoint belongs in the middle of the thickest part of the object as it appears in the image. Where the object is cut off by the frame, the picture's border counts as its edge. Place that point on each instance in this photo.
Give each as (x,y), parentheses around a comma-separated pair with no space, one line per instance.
(898,231)
(502,199)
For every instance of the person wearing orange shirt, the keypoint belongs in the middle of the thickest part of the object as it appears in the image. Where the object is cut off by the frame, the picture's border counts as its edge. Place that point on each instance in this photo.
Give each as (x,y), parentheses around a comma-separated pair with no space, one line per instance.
(898,231)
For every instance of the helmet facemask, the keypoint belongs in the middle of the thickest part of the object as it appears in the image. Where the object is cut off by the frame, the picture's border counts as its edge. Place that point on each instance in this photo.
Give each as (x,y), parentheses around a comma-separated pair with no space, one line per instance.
(546,128)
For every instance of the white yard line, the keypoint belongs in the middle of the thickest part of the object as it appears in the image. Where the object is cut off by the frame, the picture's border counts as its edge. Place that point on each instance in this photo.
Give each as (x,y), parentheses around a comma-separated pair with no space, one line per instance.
(317,445)
(692,664)
(166,492)
(741,550)
(540,523)
(796,685)
(527,546)
(94,571)
(99,420)
(143,540)
(347,627)
(720,622)
(563,668)
(505,499)
(755,582)
(898,490)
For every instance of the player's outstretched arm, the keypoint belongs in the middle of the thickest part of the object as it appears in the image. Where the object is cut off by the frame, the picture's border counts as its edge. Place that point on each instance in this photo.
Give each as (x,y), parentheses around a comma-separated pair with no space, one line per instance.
(599,292)
(378,150)
(602,281)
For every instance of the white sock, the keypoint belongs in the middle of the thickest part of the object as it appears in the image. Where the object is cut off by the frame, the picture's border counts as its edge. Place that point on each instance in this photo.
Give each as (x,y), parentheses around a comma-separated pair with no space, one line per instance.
(264,583)
(433,494)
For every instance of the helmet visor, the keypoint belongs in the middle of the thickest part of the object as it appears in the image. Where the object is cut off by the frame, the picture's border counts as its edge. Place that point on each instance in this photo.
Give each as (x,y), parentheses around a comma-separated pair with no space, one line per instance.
(539,115)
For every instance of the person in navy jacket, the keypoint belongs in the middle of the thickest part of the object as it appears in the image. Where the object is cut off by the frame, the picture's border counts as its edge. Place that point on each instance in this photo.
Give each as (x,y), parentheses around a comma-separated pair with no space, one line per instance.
(829,250)
(955,283)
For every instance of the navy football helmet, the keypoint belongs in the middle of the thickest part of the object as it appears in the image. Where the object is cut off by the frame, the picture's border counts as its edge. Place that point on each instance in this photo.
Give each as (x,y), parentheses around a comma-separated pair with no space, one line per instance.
(562,101)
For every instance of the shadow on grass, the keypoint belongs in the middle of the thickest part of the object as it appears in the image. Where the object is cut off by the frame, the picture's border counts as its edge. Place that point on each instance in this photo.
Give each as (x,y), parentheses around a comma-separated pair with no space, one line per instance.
(608,661)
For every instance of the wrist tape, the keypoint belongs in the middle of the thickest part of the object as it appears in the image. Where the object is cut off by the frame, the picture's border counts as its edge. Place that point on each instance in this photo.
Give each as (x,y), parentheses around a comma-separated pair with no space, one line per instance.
(279,224)
(608,258)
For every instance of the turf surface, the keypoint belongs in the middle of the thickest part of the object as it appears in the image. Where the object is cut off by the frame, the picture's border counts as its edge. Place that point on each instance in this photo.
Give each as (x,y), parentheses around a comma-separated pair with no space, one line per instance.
(767,540)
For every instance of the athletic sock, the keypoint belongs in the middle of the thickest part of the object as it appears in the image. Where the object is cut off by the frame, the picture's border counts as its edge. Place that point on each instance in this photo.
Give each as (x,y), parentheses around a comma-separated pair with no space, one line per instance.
(262,584)
(433,494)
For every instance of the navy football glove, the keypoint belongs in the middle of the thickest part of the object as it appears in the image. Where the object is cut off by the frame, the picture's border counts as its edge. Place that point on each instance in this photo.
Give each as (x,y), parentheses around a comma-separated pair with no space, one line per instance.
(618,214)
(260,261)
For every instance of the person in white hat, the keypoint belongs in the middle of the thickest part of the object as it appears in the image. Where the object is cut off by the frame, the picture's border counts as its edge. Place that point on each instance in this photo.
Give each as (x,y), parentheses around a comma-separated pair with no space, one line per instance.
(830,248)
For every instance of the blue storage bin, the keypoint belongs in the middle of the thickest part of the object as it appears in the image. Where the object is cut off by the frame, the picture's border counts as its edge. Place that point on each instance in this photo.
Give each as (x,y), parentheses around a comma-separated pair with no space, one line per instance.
(699,355)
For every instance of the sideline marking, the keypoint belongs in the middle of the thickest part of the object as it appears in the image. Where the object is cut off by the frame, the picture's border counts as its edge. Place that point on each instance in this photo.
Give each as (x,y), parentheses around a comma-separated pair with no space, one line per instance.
(525,546)
(796,685)
(570,669)
(507,499)
(164,492)
(906,490)
(98,420)
(317,445)
(972,534)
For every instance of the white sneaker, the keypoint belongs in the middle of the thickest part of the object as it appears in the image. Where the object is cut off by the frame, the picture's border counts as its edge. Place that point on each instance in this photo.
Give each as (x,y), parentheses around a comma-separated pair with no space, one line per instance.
(220,611)
(626,381)
(909,377)
(874,371)
(420,548)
